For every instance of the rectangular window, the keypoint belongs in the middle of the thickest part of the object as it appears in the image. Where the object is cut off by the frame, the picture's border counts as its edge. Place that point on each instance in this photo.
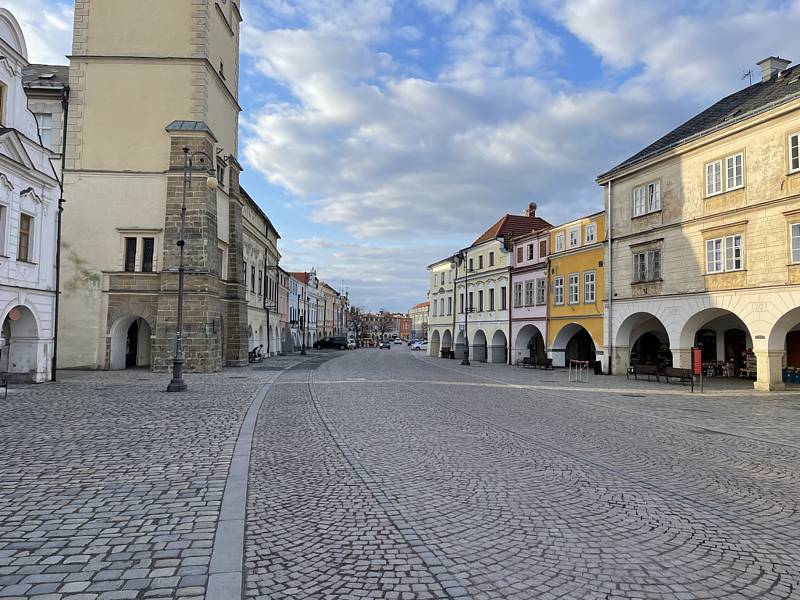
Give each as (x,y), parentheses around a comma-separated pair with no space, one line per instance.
(529,293)
(480,300)
(734,168)
(574,237)
(714,178)
(639,205)
(725,254)
(795,233)
(491,259)
(471,266)
(491,299)
(3,217)
(45,122)
(449,305)
(252,278)
(530,251)
(130,254)
(542,249)
(541,291)
(794,152)
(647,266)
(560,242)
(574,288)
(461,303)
(480,262)
(558,291)
(502,297)
(591,233)
(260,281)
(470,301)
(148,250)
(647,198)
(589,287)
(244,274)
(519,254)
(517,295)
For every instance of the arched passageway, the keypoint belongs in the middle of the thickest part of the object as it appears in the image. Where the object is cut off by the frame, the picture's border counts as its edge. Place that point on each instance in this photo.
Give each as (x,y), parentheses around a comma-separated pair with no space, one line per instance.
(725,342)
(433,346)
(479,346)
(461,347)
(447,341)
(498,350)
(573,342)
(642,339)
(131,339)
(20,354)
(529,344)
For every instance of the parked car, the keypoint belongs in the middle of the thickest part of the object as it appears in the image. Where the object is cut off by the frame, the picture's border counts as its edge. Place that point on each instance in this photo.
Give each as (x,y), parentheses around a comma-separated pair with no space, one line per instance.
(338,342)
(351,344)
(385,344)
(398,341)
(420,345)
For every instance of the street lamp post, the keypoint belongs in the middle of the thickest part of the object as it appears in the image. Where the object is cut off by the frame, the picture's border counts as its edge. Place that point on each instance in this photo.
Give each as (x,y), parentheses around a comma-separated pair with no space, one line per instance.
(302,326)
(178,384)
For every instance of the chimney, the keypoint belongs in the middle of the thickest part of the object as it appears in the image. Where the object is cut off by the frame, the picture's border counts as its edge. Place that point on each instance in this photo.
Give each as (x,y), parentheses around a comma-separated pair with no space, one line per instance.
(531,210)
(772,66)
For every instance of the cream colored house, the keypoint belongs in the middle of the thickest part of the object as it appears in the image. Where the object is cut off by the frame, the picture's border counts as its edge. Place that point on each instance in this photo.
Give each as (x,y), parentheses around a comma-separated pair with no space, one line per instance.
(705,237)
(139,96)
(441,315)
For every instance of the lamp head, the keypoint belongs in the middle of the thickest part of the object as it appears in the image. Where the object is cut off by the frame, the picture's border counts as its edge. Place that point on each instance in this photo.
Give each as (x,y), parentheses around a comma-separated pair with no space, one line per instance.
(212,182)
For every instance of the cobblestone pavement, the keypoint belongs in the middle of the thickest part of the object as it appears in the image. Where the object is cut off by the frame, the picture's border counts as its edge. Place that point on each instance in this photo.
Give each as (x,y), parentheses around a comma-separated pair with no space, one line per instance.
(110,488)
(386,475)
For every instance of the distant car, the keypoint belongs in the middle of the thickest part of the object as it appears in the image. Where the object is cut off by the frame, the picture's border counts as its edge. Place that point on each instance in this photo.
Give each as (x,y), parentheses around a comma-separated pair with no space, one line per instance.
(351,344)
(398,341)
(420,345)
(338,342)
(385,344)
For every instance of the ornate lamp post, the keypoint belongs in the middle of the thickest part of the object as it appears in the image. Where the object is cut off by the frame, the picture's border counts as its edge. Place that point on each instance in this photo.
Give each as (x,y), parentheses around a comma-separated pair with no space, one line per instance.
(178,384)
(302,325)
(461,258)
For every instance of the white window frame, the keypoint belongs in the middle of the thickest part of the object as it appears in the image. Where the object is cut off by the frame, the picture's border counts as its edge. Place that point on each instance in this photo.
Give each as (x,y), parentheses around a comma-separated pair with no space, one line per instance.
(560,242)
(731,171)
(589,287)
(518,295)
(794,242)
(794,152)
(558,291)
(647,198)
(647,266)
(541,291)
(3,228)
(530,292)
(574,285)
(714,178)
(723,255)
(591,233)
(530,251)
(574,239)
(45,123)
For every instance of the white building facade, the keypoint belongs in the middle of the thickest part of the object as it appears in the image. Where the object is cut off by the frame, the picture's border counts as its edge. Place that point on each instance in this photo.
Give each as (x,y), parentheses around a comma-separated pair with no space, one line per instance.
(29,194)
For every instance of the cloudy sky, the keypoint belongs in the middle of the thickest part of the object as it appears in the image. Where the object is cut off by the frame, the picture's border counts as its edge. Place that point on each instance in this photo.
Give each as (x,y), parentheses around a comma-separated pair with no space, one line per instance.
(381,135)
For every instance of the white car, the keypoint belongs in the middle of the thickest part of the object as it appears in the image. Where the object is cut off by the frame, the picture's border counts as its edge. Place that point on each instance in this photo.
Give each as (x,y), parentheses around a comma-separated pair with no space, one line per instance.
(420,345)
(351,344)
(398,341)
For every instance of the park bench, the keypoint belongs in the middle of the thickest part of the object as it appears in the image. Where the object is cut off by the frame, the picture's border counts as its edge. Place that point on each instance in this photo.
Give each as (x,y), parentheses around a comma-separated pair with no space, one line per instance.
(649,370)
(683,375)
(539,363)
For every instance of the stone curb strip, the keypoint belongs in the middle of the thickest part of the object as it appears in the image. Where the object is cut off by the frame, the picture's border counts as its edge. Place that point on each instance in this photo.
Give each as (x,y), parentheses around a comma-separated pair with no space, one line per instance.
(227,559)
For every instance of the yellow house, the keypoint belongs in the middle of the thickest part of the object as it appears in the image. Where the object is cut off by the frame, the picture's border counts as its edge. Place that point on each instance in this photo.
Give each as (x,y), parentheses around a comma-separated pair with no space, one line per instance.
(575,307)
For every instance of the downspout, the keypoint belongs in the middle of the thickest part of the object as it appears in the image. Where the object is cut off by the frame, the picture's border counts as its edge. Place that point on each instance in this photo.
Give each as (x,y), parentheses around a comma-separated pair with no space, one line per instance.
(65,108)
(508,304)
(610,272)
(264,295)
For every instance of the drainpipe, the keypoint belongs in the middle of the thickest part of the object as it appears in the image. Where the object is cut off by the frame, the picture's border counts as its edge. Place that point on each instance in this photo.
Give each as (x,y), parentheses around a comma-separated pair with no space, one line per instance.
(65,108)
(508,304)
(610,275)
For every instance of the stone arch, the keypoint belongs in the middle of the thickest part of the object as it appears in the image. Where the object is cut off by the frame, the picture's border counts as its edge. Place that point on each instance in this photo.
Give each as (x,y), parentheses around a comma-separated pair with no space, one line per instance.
(529,343)
(479,346)
(447,340)
(498,350)
(433,345)
(22,354)
(131,343)
(642,338)
(573,341)
(716,321)
(12,32)
(461,346)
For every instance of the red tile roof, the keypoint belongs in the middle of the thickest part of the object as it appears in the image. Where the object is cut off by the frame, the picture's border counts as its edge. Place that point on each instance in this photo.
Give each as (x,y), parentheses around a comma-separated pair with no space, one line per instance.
(512,226)
(302,277)
(425,304)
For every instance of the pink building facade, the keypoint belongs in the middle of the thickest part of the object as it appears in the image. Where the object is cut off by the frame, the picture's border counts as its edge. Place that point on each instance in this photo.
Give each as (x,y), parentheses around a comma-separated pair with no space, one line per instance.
(529,295)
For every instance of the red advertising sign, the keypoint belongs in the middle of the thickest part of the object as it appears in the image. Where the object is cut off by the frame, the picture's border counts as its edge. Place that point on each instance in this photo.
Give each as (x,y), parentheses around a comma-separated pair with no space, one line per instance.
(697,361)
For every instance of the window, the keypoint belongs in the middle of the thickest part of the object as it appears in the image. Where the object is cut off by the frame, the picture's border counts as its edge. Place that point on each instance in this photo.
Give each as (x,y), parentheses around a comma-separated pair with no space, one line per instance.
(541,287)
(148,250)
(3,217)
(461,303)
(519,254)
(25,235)
(589,287)
(260,281)
(2,103)
(491,259)
(530,251)
(558,290)
(480,262)
(542,249)
(575,237)
(591,233)
(471,268)
(517,295)
(794,152)
(714,178)
(734,167)
(502,297)
(130,254)
(244,275)
(252,278)
(529,293)
(647,266)
(470,301)
(480,300)
(647,198)
(449,305)
(491,299)
(795,235)
(559,242)
(45,122)
(724,254)
(574,288)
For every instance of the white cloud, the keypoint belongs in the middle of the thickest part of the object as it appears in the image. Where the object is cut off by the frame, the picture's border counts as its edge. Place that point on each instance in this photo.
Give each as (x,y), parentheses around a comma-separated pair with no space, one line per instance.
(47,27)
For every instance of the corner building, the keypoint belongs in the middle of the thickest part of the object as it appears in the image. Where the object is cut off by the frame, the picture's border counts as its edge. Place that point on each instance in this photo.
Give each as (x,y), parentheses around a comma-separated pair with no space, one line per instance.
(705,237)
(138,97)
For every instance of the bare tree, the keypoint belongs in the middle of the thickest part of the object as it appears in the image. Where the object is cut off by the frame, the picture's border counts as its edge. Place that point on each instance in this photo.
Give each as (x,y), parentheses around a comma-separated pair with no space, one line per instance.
(385,322)
(355,321)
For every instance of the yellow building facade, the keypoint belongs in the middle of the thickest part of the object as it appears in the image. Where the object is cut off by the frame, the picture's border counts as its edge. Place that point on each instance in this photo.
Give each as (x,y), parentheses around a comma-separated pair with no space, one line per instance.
(575,306)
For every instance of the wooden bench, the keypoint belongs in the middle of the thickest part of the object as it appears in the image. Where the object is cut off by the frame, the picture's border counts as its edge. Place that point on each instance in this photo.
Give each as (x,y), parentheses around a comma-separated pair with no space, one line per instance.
(526,362)
(684,375)
(649,370)
(530,363)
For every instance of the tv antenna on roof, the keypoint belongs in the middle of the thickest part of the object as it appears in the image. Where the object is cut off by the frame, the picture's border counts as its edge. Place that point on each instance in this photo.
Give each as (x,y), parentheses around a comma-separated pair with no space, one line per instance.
(748,75)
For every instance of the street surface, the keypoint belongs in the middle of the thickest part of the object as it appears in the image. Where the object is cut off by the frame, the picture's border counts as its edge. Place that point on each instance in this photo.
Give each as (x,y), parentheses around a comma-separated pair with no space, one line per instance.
(387,474)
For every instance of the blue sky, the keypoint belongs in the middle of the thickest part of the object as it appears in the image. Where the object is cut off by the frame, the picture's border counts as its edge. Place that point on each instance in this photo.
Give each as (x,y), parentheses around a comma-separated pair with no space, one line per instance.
(380,135)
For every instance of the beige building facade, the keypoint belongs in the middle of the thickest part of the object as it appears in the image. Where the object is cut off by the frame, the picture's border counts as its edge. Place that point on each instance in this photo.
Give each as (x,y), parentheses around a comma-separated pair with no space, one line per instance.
(705,238)
(123,186)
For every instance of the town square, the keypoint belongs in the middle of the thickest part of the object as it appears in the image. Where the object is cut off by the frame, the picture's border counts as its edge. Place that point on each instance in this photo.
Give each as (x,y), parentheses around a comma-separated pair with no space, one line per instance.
(404,300)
